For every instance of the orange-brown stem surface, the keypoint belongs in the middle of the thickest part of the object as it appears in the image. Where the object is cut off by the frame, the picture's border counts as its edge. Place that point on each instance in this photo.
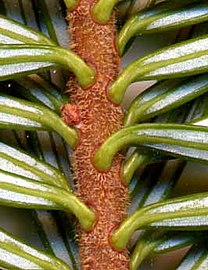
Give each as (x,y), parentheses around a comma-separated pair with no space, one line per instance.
(98,118)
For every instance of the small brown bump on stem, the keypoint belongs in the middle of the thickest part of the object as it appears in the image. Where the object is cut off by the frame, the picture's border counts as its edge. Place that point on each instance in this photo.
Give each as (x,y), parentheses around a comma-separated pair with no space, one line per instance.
(70,114)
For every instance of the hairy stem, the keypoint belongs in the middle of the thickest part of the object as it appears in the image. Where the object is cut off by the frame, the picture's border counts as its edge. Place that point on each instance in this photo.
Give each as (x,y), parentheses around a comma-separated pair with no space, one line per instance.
(97,118)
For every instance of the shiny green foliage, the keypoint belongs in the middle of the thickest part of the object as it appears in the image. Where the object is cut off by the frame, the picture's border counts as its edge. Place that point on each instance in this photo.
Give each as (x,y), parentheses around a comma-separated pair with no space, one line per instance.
(31,58)
(180,60)
(136,159)
(103,9)
(196,258)
(20,114)
(162,18)
(175,128)
(37,89)
(17,162)
(186,141)
(165,96)
(15,254)
(179,213)
(19,191)
(13,32)
(71,3)
(16,60)
(157,242)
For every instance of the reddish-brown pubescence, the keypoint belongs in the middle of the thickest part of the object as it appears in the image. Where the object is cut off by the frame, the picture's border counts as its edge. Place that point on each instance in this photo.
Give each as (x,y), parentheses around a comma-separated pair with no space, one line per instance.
(99,118)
